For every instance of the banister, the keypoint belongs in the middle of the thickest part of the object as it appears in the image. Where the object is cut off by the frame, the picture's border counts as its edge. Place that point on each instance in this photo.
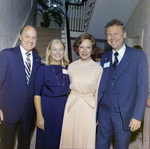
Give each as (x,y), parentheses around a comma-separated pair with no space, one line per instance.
(76,4)
(91,4)
(77,22)
(89,12)
(68,34)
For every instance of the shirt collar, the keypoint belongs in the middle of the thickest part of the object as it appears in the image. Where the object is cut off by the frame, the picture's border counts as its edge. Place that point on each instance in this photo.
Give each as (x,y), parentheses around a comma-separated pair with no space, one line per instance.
(23,51)
(121,51)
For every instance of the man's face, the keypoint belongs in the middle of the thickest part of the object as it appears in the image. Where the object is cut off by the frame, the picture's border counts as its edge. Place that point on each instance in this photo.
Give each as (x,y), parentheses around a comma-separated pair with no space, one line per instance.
(115,37)
(28,38)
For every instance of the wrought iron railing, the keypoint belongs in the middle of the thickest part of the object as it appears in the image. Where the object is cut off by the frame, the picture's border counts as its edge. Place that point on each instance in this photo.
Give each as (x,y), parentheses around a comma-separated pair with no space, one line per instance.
(78,14)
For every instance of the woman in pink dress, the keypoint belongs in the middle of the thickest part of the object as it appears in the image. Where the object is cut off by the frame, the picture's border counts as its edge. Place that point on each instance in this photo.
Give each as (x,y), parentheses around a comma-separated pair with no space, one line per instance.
(79,123)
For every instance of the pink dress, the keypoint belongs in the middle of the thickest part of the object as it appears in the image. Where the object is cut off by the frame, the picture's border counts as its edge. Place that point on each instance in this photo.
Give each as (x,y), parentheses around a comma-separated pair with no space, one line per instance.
(79,123)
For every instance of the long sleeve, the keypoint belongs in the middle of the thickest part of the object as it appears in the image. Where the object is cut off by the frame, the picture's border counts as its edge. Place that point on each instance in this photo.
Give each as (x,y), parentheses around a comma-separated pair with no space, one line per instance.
(3,71)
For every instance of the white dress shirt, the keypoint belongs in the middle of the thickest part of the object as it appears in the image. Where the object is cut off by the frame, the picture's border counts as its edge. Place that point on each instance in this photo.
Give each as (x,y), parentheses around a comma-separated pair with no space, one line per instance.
(24,56)
(120,52)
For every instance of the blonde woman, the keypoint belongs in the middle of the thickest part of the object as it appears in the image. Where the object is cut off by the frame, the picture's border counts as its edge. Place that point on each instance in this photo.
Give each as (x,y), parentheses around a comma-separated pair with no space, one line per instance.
(51,89)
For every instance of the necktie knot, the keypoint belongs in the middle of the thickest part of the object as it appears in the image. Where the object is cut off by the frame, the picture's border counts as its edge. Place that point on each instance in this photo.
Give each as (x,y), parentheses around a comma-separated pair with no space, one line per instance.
(116,54)
(28,54)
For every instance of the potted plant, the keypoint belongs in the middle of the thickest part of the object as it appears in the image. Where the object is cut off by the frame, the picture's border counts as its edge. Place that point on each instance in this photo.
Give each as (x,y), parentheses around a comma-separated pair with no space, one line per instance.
(50,11)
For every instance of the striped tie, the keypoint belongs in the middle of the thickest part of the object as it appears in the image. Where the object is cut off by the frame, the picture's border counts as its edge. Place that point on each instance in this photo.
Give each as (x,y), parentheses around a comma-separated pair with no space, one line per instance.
(28,67)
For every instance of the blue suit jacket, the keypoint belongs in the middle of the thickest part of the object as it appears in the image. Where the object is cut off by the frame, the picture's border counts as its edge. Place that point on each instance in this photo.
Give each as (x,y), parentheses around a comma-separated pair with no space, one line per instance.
(131,84)
(14,92)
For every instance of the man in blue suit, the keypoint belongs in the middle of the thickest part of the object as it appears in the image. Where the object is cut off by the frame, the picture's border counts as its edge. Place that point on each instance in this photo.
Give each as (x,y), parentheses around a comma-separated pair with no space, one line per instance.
(123,90)
(16,90)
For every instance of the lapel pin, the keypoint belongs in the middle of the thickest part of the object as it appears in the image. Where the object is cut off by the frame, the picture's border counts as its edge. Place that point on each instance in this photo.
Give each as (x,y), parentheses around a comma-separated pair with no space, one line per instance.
(105,58)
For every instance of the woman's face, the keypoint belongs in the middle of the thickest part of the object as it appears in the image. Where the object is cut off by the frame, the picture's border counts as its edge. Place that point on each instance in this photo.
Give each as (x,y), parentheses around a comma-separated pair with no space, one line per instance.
(85,50)
(57,53)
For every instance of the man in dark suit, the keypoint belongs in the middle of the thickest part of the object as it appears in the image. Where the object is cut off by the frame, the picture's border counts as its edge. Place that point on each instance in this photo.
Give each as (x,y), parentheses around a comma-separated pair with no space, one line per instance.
(123,90)
(17,70)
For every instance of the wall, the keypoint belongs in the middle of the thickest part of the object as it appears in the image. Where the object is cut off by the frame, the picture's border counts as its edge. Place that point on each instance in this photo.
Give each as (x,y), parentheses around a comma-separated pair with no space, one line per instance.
(140,19)
(14,14)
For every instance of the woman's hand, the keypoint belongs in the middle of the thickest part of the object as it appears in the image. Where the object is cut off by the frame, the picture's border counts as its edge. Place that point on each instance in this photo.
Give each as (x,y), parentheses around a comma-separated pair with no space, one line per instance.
(40,122)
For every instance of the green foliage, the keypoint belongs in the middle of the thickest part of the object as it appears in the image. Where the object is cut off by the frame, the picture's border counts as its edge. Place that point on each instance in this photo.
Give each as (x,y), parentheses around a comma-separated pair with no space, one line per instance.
(51,12)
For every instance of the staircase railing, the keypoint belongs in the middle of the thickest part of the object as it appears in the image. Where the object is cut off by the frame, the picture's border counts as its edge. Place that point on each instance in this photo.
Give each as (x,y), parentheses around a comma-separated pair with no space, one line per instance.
(77,19)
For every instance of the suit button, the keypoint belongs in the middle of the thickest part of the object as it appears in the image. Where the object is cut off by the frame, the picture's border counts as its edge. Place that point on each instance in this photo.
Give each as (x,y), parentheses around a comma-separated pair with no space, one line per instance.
(25,99)
(112,84)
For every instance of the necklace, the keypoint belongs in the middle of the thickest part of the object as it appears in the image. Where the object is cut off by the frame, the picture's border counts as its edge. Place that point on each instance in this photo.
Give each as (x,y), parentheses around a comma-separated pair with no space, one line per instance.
(57,78)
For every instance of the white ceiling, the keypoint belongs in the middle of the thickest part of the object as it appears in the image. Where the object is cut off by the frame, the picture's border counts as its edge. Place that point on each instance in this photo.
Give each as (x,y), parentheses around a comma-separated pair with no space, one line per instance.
(106,10)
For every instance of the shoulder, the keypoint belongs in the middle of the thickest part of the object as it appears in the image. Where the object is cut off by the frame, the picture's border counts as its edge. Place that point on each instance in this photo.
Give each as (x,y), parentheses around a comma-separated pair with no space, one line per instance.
(8,50)
(107,54)
(93,63)
(106,57)
(41,67)
(7,54)
(96,66)
(136,53)
(36,56)
(133,50)
(73,64)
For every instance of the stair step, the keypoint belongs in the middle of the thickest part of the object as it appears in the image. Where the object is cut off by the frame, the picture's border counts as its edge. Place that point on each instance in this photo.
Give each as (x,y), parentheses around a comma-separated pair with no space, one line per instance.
(45,35)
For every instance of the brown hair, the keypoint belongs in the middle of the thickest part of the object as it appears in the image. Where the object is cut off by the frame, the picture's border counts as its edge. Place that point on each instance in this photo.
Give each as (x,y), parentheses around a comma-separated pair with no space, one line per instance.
(80,39)
(97,53)
(137,47)
(112,23)
(65,60)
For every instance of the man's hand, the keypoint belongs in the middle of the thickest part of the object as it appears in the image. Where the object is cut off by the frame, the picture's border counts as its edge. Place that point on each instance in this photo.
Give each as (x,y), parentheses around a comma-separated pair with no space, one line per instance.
(1,116)
(148,103)
(134,125)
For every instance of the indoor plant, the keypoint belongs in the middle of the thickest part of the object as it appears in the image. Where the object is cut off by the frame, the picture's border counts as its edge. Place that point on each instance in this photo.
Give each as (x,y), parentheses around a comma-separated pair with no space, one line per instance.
(50,11)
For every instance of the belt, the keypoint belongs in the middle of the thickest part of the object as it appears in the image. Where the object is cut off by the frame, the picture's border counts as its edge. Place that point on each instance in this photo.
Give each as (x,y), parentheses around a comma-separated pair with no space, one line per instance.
(88,98)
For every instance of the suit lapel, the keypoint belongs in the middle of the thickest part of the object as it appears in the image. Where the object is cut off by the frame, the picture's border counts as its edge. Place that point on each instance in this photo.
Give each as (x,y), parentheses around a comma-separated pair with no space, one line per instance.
(127,58)
(34,67)
(107,59)
(18,61)
(106,62)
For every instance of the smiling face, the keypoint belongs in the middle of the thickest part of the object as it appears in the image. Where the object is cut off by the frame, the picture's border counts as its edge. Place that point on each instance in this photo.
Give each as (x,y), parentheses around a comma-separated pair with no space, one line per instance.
(28,38)
(85,50)
(57,53)
(115,37)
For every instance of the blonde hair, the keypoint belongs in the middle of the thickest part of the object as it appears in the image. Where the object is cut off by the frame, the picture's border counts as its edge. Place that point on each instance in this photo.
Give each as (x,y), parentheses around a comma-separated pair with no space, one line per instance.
(48,60)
